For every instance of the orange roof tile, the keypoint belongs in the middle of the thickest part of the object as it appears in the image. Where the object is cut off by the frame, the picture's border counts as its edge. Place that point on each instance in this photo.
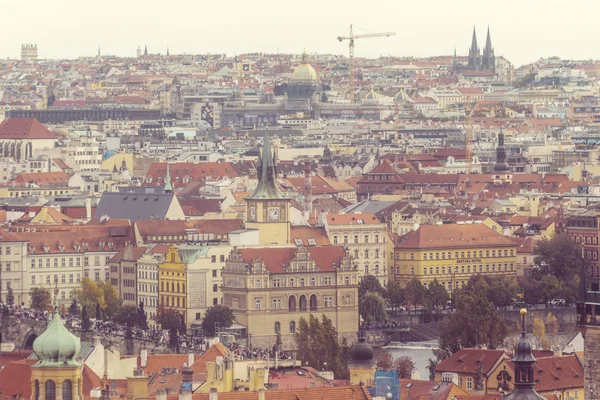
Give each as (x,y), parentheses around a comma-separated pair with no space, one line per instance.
(352,219)
(24,128)
(453,236)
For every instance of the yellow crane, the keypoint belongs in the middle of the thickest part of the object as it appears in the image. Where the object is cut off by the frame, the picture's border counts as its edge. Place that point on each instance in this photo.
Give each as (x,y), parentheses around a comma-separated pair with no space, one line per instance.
(351,37)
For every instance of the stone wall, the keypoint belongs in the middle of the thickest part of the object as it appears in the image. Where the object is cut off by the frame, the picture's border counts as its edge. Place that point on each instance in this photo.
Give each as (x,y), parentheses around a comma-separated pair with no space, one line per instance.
(591,366)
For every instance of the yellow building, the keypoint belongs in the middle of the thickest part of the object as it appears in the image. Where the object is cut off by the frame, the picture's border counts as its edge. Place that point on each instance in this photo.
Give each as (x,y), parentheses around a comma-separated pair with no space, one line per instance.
(270,289)
(172,282)
(268,210)
(452,254)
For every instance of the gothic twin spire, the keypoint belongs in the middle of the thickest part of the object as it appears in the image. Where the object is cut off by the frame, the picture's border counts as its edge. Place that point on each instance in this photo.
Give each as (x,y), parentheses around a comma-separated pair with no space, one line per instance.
(485,61)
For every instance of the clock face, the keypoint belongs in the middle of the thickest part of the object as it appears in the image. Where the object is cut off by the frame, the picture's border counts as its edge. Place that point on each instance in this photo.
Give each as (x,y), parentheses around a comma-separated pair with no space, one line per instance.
(273,214)
(252,215)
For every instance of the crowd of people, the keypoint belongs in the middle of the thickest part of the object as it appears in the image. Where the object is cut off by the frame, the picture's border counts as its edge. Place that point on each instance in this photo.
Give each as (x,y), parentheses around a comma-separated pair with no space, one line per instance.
(253,353)
(386,325)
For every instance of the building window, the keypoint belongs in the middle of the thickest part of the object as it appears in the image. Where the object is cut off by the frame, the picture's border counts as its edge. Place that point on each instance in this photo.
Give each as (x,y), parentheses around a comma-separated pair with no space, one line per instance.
(366,239)
(215,288)
(33,279)
(328,301)
(292,303)
(292,327)
(276,304)
(335,240)
(213,259)
(277,327)
(50,388)
(469,383)
(235,304)
(214,273)
(313,302)
(302,303)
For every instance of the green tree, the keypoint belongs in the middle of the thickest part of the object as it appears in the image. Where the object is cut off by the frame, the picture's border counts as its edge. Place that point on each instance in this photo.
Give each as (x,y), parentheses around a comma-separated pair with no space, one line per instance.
(90,295)
(319,347)
(542,290)
(385,361)
(405,366)
(10,296)
(502,291)
(370,284)
(221,315)
(415,293)
(395,295)
(39,298)
(436,296)
(128,315)
(171,320)
(474,321)
(111,299)
(371,307)
(85,319)
(141,316)
(552,327)
(557,256)
(74,308)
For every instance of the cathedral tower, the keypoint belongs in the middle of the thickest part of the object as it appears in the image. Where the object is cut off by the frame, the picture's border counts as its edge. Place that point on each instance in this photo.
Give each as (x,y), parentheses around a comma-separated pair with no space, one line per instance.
(501,165)
(474,54)
(488,61)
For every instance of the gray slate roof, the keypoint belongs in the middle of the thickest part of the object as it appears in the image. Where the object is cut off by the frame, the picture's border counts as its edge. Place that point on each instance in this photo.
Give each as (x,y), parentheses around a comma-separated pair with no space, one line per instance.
(134,206)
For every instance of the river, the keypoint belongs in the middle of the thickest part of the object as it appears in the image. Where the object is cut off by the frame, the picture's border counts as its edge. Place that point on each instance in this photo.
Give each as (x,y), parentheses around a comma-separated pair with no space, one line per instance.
(419,352)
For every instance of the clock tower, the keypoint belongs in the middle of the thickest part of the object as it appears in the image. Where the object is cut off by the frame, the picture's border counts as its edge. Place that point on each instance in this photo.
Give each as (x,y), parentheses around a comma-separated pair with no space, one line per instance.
(268,210)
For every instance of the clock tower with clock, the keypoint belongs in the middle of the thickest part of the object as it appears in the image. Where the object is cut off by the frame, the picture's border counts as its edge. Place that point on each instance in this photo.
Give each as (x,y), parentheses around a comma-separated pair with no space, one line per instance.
(268,209)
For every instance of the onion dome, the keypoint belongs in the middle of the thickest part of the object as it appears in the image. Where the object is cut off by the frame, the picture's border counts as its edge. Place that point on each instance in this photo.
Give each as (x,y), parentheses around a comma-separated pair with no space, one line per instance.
(57,346)
(304,72)
(361,353)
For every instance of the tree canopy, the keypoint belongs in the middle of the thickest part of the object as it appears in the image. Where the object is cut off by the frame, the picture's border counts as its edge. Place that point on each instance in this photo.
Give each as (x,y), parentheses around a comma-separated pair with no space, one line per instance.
(372,308)
(414,292)
(319,347)
(100,296)
(39,298)
(370,283)
(221,315)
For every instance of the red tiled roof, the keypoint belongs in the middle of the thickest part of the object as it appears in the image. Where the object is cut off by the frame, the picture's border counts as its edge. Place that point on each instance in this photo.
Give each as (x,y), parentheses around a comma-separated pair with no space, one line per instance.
(352,219)
(178,227)
(329,393)
(274,259)
(189,172)
(15,379)
(468,360)
(558,373)
(24,128)
(214,351)
(453,236)
(43,179)
(304,233)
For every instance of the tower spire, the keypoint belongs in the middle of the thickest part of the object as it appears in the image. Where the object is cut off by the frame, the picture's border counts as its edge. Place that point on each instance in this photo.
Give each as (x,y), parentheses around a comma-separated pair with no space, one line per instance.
(488,42)
(267,186)
(168,187)
(474,41)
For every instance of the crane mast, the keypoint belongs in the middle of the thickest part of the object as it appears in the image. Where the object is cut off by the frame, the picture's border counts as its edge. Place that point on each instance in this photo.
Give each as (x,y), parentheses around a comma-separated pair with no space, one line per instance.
(351,37)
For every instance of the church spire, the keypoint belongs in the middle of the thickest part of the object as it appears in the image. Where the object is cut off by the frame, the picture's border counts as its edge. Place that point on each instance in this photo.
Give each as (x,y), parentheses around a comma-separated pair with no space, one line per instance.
(474,47)
(523,361)
(145,50)
(267,176)
(488,43)
(168,187)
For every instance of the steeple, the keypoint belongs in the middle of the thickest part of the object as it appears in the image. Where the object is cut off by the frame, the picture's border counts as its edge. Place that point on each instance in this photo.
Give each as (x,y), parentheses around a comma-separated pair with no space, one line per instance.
(474,47)
(501,165)
(167,50)
(474,56)
(99,52)
(488,43)
(267,175)
(488,61)
(168,187)
(145,50)
(523,361)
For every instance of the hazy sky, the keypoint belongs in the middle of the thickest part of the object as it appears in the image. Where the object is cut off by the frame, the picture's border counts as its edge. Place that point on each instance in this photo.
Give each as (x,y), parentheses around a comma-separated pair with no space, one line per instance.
(522,30)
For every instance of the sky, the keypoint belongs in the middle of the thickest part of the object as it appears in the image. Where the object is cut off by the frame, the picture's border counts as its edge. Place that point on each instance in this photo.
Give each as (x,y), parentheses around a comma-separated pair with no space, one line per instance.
(522,30)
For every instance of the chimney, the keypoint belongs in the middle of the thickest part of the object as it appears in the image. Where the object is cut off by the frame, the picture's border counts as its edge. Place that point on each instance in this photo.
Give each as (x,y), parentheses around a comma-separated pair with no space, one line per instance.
(558,351)
(212,395)
(88,209)
(161,394)
(191,359)
(185,394)
(261,394)
(143,358)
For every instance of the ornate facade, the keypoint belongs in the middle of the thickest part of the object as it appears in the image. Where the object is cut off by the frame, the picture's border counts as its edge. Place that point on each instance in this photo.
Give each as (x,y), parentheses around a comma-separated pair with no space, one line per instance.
(271,289)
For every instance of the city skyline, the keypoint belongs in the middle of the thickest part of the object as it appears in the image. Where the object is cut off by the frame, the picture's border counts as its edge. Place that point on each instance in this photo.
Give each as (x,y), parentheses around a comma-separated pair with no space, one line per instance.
(187,27)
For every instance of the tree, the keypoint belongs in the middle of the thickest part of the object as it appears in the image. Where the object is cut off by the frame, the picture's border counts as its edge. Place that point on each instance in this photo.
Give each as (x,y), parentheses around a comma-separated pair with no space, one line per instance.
(539,333)
(111,299)
(552,327)
(502,291)
(370,284)
(478,379)
(221,315)
(405,366)
(319,347)
(128,315)
(414,292)
(98,312)
(436,296)
(10,296)
(540,290)
(39,298)
(371,307)
(74,308)
(85,319)
(90,295)
(385,361)
(474,321)
(395,295)
(557,256)
(171,320)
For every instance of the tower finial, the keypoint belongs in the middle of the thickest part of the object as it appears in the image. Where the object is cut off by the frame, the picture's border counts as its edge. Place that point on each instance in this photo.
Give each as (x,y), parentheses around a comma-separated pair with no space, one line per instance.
(304,57)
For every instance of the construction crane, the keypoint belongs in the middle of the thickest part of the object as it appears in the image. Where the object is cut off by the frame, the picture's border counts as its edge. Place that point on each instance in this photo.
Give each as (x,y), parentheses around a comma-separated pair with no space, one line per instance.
(351,37)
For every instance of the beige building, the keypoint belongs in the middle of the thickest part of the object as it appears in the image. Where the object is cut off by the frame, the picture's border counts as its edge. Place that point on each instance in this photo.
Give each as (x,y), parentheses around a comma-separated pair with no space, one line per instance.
(365,238)
(147,279)
(270,289)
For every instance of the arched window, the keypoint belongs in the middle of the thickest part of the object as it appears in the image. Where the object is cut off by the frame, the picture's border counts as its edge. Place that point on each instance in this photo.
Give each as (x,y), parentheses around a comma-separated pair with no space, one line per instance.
(183,287)
(292,327)
(355,253)
(277,327)
(36,394)
(177,287)
(313,302)
(302,303)
(292,303)
(366,253)
(50,388)
(67,390)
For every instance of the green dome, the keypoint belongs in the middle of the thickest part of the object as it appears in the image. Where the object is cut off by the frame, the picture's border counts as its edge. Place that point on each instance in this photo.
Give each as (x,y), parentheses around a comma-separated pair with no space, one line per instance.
(56,346)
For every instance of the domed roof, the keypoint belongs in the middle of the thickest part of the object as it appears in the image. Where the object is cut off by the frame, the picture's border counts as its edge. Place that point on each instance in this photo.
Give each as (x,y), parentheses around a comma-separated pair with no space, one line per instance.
(372,95)
(361,352)
(401,96)
(56,346)
(304,72)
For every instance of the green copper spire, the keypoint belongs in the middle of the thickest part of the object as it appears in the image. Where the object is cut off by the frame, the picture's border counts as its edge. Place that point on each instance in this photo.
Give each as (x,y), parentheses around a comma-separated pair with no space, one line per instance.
(168,186)
(267,186)
(56,347)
